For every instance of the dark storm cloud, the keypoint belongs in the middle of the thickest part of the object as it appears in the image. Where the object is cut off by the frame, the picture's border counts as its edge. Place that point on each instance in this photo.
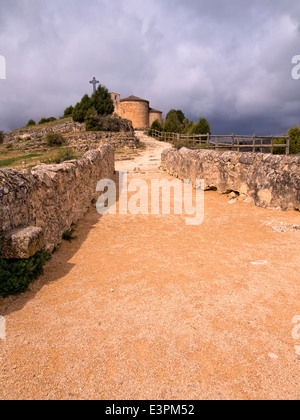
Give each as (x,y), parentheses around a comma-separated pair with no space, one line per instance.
(229,61)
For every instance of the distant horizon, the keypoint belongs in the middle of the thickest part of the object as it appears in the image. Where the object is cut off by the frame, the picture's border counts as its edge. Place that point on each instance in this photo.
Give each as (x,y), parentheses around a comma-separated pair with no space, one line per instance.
(218,131)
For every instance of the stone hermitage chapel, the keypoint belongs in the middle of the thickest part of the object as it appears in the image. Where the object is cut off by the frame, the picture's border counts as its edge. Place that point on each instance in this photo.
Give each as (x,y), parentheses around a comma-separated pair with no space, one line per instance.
(136,110)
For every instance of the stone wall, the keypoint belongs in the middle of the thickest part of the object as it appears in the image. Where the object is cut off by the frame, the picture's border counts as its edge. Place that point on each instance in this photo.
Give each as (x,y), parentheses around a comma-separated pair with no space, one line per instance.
(264,179)
(155,115)
(95,139)
(38,132)
(84,141)
(119,134)
(38,206)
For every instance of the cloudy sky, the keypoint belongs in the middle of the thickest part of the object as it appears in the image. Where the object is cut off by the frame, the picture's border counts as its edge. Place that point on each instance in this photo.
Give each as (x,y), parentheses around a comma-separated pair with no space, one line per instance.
(229,61)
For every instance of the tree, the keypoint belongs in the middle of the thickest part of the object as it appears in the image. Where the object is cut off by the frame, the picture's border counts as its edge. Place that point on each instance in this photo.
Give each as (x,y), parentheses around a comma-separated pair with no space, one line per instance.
(102,102)
(81,109)
(172,122)
(187,126)
(181,116)
(47,120)
(156,125)
(55,139)
(294,134)
(1,137)
(202,127)
(68,111)
(30,123)
(91,120)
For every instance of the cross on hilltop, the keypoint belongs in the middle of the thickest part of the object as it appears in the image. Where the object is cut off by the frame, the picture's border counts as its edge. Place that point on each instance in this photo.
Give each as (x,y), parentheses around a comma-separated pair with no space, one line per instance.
(94,82)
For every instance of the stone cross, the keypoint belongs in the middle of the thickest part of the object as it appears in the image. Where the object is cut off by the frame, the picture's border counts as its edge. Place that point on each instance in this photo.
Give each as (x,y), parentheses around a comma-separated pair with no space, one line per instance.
(94,82)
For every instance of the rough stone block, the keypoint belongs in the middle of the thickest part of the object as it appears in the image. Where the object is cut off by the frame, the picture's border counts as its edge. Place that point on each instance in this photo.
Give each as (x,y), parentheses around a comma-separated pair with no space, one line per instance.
(22,243)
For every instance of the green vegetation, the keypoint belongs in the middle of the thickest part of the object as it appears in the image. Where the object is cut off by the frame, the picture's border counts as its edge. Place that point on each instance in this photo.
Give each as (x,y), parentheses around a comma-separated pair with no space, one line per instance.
(279,150)
(69,235)
(91,120)
(176,122)
(1,137)
(11,161)
(16,275)
(47,120)
(156,125)
(190,144)
(173,122)
(65,155)
(202,127)
(101,101)
(55,139)
(82,108)
(294,134)
(30,123)
(68,111)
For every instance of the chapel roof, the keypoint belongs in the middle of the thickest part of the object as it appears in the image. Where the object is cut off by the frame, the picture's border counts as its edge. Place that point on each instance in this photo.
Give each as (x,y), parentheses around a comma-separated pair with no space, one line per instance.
(155,110)
(133,99)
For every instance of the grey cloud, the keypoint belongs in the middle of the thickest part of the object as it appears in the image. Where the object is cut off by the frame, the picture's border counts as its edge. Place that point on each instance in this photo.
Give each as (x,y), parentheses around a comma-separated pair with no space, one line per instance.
(229,61)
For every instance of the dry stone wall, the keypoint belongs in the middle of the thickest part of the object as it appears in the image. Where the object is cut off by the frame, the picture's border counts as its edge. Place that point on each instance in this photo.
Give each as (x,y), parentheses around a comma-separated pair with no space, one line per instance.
(36,132)
(119,134)
(38,206)
(266,180)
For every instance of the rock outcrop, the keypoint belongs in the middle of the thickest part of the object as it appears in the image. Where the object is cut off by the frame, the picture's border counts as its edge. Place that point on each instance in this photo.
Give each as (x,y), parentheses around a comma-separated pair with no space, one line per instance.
(266,180)
(38,206)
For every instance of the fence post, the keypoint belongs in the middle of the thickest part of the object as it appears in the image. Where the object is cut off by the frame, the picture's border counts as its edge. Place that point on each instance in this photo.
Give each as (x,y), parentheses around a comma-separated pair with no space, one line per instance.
(254,143)
(217,143)
(272,148)
(288,145)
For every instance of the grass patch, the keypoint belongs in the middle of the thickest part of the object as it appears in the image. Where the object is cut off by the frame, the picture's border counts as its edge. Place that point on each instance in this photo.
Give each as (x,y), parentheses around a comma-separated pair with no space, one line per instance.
(16,159)
(11,161)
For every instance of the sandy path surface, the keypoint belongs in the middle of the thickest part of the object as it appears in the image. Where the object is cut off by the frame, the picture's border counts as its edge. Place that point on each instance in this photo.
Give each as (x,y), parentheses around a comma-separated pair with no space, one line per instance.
(145,307)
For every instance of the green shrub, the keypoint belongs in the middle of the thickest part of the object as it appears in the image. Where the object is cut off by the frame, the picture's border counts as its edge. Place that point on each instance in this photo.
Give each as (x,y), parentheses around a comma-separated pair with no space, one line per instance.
(68,111)
(172,123)
(156,125)
(30,123)
(64,155)
(1,137)
(202,127)
(279,150)
(69,235)
(16,275)
(294,134)
(91,120)
(189,144)
(55,139)
(47,120)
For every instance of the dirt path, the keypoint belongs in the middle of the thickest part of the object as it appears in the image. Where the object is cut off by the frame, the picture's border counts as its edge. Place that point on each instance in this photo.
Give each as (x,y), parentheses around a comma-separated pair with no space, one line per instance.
(145,307)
